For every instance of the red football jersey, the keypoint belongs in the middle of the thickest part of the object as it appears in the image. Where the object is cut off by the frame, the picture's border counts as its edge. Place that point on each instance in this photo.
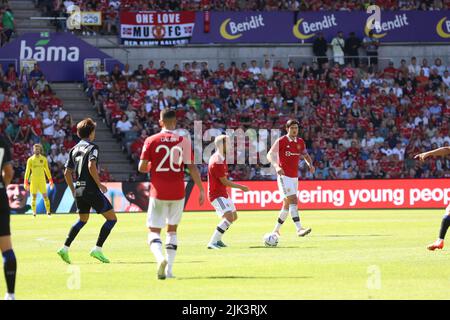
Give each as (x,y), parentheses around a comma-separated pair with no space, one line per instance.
(290,151)
(167,154)
(217,168)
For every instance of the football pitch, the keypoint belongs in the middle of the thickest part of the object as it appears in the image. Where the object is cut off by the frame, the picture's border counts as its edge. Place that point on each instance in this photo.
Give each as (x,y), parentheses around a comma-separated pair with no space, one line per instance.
(373,254)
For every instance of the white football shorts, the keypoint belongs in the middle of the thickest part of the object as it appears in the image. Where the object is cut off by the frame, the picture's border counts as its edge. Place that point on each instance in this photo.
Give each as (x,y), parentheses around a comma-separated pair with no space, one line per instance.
(223,205)
(164,212)
(288,186)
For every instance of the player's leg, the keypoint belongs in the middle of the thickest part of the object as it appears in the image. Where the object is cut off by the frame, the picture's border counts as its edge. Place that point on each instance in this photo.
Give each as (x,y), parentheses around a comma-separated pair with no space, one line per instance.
(174,214)
(9,266)
(227,212)
(33,192)
(156,220)
(171,249)
(439,243)
(46,203)
(282,216)
(283,187)
(104,207)
(33,203)
(83,212)
(9,258)
(293,210)
(291,185)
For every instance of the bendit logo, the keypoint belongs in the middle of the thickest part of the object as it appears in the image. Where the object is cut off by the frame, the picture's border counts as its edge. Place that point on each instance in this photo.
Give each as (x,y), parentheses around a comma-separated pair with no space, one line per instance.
(304,29)
(41,51)
(236,29)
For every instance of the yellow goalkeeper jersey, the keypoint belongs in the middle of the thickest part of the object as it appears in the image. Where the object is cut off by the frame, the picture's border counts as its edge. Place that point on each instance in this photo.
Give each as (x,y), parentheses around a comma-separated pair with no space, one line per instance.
(37,167)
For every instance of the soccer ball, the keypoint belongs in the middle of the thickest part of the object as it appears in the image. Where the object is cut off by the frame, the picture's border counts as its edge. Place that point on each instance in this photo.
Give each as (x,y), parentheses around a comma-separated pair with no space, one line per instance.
(270,239)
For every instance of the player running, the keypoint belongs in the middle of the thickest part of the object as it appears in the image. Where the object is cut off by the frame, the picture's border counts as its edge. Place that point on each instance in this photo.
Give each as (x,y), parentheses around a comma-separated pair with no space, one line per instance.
(165,154)
(37,167)
(9,259)
(88,191)
(284,156)
(439,243)
(217,191)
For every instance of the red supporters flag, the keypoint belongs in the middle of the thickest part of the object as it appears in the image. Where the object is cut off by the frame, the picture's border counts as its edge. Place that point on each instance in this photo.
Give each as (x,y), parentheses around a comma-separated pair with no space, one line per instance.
(146,28)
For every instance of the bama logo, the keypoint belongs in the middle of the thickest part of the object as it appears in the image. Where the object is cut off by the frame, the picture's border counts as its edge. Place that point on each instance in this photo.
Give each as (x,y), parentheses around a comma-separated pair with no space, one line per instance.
(42,53)
(440,28)
(380,31)
(309,28)
(231,30)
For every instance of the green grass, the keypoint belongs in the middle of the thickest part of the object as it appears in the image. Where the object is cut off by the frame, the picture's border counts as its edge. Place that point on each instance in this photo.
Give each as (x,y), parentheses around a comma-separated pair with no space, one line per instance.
(346,251)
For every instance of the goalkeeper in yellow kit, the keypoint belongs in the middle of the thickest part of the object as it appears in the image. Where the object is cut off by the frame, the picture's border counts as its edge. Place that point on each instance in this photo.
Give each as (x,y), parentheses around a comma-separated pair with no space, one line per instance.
(37,167)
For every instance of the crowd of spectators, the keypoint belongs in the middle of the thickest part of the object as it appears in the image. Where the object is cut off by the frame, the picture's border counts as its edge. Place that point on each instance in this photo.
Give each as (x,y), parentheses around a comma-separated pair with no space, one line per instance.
(110,8)
(31,112)
(7,23)
(357,122)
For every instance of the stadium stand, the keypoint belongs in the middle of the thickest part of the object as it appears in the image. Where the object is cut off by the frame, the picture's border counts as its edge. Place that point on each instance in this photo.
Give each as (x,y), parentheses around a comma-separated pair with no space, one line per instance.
(110,9)
(31,112)
(357,122)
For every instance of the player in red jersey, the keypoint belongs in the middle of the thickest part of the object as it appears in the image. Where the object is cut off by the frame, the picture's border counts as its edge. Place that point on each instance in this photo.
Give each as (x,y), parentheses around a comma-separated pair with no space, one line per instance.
(439,243)
(164,155)
(217,191)
(285,155)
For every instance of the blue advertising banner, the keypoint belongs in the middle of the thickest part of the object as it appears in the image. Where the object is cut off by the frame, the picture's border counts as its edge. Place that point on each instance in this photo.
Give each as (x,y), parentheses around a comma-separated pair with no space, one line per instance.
(61,56)
(301,27)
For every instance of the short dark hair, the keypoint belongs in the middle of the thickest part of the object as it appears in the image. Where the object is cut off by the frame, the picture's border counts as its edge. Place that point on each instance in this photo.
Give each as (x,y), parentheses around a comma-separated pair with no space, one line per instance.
(291,122)
(167,114)
(85,128)
(128,188)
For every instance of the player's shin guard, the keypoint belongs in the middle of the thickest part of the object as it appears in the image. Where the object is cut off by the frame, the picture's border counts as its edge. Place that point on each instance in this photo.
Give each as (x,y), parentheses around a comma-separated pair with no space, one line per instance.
(47,204)
(10,267)
(281,218)
(105,231)
(223,226)
(171,250)
(74,232)
(444,227)
(293,210)
(154,240)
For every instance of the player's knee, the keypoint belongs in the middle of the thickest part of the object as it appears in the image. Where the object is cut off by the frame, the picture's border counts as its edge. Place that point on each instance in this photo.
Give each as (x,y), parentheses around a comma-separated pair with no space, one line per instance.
(110,223)
(292,200)
(84,219)
(153,237)
(172,228)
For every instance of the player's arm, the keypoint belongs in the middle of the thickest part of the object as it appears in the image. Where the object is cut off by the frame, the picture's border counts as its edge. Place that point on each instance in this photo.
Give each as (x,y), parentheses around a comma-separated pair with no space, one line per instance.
(69,180)
(439,152)
(27,175)
(7,169)
(92,166)
(228,183)
(195,174)
(48,173)
(309,162)
(69,167)
(143,166)
(274,157)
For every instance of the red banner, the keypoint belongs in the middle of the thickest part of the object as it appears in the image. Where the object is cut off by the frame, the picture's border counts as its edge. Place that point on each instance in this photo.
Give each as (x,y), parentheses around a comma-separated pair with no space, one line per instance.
(340,194)
(156,28)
